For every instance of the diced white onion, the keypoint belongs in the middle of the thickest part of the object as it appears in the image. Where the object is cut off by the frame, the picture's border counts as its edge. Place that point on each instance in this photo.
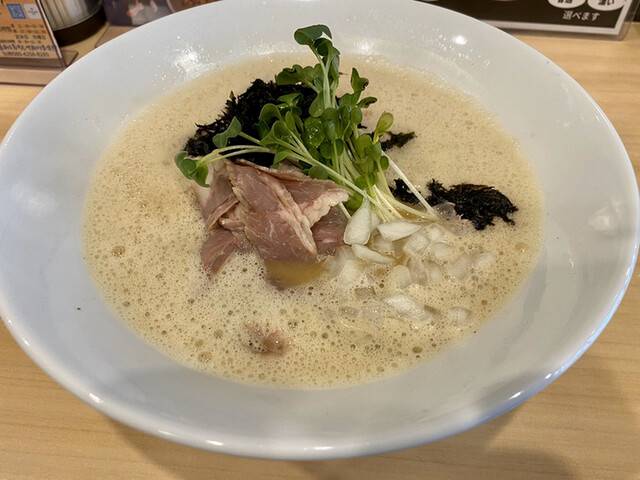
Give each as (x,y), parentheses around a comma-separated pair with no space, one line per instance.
(349,311)
(369,255)
(400,276)
(358,227)
(483,260)
(435,232)
(461,267)
(416,244)
(446,209)
(351,272)
(417,270)
(440,250)
(459,316)
(407,307)
(345,253)
(333,266)
(362,293)
(336,262)
(393,231)
(372,311)
(435,272)
(361,338)
(381,245)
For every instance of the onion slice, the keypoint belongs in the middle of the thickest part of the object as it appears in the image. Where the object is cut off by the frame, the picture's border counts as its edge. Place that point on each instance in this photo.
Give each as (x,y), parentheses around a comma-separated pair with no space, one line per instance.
(407,307)
(396,230)
(416,244)
(400,276)
(369,255)
(359,226)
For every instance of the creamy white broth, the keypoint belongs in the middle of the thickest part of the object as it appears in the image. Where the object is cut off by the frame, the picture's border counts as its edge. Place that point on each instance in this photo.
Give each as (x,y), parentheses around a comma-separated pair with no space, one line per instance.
(143,232)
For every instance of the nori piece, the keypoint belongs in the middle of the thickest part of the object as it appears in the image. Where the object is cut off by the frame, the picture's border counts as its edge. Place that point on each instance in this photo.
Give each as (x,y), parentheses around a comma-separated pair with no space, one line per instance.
(396,140)
(246,107)
(476,203)
(401,192)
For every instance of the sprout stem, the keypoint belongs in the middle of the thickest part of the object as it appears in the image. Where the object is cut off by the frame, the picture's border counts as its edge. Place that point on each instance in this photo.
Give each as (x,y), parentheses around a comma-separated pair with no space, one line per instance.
(413,190)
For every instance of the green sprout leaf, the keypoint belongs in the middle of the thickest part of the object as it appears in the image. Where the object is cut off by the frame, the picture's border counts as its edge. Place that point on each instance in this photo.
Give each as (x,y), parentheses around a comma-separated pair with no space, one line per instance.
(297,74)
(307,35)
(282,154)
(317,107)
(326,149)
(324,47)
(268,113)
(365,102)
(356,117)
(232,131)
(354,202)
(384,162)
(358,83)
(290,120)
(313,131)
(201,174)
(318,172)
(290,99)
(374,152)
(362,144)
(186,165)
(384,123)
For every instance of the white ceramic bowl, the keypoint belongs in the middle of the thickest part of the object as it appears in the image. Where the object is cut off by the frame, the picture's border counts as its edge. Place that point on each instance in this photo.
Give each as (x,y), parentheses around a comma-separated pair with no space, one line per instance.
(50,305)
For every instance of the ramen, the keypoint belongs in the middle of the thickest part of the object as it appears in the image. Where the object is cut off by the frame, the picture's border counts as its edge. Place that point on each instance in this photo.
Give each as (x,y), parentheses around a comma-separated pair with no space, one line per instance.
(143,232)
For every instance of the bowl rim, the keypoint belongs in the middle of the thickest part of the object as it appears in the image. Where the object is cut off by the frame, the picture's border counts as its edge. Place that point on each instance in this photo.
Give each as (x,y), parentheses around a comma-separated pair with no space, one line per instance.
(153,424)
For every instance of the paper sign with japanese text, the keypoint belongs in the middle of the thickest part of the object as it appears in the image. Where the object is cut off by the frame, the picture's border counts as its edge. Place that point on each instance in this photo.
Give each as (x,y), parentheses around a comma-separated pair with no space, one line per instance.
(607,17)
(25,37)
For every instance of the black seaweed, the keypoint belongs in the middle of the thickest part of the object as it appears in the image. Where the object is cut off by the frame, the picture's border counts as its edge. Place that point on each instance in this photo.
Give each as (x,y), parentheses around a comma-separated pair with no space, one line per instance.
(476,203)
(397,140)
(246,108)
(401,192)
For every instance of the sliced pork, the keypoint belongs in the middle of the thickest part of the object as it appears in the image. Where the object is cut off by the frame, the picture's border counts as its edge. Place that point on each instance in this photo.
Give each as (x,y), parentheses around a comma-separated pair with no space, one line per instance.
(221,198)
(218,246)
(231,221)
(314,197)
(328,232)
(264,342)
(274,223)
(285,215)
